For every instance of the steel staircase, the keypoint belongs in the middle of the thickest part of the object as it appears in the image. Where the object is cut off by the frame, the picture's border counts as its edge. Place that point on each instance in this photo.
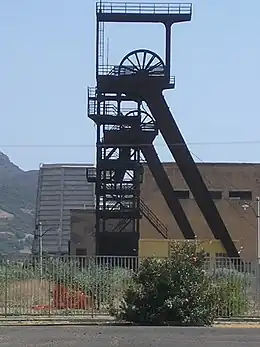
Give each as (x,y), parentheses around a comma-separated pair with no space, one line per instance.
(153,219)
(150,216)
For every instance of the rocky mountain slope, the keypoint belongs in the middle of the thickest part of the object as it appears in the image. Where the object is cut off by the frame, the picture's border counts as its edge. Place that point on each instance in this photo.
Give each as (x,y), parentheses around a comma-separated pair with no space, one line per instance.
(17,204)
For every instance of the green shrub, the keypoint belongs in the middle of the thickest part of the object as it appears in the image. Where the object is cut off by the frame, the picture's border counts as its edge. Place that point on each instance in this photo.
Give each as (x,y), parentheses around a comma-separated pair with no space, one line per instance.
(174,290)
(15,272)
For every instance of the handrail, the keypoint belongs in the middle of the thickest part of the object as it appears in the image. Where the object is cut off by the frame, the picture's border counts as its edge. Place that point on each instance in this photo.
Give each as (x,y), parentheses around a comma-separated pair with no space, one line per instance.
(124,186)
(145,210)
(112,110)
(92,92)
(172,80)
(153,219)
(144,8)
(144,127)
(116,70)
(108,110)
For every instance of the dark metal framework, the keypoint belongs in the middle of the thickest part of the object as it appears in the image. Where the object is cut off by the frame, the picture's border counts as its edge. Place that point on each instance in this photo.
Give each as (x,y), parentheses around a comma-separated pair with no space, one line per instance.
(123,134)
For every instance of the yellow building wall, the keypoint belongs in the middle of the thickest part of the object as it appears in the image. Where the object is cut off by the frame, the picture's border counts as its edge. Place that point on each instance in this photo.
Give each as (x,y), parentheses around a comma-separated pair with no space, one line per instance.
(160,247)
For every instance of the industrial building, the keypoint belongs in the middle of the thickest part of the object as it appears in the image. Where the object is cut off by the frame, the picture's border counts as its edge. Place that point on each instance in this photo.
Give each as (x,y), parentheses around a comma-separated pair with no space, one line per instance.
(61,187)
(233,187)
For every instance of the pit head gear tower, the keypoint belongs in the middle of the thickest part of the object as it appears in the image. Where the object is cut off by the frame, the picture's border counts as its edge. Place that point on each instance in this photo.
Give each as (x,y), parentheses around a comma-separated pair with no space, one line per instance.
(124,135)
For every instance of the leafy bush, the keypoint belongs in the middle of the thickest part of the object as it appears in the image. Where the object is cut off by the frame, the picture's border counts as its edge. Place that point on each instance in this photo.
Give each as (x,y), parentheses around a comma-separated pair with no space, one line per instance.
(15,272)
(174,290)
(179,291)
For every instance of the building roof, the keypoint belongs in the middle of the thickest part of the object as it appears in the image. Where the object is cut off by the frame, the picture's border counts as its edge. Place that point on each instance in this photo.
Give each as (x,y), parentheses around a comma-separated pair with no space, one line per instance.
(168,163)
(65,165)
(217,163)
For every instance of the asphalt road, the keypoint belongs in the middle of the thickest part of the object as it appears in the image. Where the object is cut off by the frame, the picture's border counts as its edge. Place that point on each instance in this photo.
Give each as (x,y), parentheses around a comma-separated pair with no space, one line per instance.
(93,336)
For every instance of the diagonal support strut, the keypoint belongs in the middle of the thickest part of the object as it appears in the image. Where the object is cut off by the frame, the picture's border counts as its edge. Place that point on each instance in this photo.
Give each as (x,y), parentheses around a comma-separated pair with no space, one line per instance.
(176,144)
(167,190)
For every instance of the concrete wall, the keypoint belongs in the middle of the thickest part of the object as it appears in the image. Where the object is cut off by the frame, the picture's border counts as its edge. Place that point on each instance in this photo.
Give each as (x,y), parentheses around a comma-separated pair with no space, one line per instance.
(217,176)
(83,232)
(82,236)
(160,248)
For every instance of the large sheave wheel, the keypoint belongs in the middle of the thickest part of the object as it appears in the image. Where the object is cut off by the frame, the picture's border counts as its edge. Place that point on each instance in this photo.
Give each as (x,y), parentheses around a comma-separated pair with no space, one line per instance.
(142,61)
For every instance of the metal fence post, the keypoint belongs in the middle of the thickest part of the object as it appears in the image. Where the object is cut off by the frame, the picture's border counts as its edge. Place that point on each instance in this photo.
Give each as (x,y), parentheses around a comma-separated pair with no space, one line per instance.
(212,264)
(257,285)
(49,289)
(6,286)
(103,280)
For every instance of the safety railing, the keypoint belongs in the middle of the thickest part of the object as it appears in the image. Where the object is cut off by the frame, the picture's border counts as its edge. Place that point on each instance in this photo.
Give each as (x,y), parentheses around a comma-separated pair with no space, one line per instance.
(91,174)
(111,70)
(145,127)
(113,204)
(110,109)
(120,186)
(144,8)
(92,107)
(69,286)
(172,81)
(92,92)
(115,70)
(107,109)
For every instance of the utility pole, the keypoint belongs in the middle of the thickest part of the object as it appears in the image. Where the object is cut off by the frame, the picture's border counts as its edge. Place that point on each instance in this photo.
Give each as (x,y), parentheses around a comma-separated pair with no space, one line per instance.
(59,232)
(258,227)
(40,248)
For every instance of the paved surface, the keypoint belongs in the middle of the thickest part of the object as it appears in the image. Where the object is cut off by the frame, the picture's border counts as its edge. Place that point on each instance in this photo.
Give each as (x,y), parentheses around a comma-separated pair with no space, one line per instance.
(93,336)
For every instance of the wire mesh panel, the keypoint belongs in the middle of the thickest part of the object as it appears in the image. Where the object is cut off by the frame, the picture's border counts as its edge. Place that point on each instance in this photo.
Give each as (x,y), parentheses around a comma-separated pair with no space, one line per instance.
(22,289)
(239,283)
(62,286)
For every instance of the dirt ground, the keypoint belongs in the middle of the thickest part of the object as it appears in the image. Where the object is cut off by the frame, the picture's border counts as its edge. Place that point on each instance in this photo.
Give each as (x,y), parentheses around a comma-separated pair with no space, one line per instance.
(23,295)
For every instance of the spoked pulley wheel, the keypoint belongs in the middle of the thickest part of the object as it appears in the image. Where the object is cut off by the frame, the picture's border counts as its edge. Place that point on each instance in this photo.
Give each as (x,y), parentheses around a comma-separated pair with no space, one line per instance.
(147,122)
(142,61)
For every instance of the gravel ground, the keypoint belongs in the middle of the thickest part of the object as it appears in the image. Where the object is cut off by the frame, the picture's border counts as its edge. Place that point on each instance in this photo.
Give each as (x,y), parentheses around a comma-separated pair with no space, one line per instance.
(94,336)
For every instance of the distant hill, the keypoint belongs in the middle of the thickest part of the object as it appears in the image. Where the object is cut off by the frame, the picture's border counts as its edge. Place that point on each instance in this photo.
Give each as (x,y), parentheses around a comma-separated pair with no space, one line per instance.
(17,204)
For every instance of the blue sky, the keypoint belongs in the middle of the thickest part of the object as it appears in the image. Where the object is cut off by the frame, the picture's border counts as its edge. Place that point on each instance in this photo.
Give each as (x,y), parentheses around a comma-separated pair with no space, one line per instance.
(48,59)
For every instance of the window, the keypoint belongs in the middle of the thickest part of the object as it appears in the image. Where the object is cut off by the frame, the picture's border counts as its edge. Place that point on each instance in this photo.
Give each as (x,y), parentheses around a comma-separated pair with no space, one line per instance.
(182,194)
(216,194)
(241,195)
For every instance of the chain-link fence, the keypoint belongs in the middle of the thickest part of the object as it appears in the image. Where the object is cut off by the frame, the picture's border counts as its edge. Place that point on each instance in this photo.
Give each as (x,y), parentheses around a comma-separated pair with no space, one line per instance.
(83,285)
